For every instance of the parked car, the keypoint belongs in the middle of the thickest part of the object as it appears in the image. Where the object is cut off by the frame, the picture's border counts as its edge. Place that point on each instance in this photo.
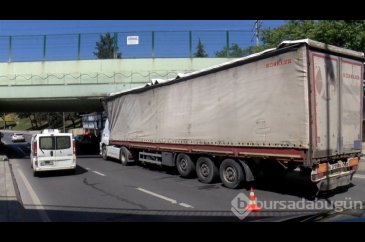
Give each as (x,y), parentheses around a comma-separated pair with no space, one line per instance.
(16,137)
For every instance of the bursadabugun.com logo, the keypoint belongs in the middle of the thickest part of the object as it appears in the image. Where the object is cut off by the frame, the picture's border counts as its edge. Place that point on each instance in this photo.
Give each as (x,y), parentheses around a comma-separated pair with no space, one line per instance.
(242,205)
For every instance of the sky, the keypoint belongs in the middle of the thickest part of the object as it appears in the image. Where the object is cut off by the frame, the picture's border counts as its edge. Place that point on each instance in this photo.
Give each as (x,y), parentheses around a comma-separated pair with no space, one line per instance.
(62,39)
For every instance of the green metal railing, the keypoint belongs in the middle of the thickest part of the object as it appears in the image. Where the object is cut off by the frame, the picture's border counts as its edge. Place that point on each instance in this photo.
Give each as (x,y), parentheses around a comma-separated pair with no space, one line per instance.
(152,44)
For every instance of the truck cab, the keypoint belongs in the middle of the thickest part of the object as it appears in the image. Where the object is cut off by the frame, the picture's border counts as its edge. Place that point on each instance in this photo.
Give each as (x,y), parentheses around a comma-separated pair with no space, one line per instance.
(52,150)
(104,139)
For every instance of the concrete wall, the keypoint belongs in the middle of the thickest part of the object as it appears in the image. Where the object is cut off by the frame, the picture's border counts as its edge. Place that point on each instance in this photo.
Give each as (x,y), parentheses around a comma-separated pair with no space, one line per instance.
(80,85)
(99,71)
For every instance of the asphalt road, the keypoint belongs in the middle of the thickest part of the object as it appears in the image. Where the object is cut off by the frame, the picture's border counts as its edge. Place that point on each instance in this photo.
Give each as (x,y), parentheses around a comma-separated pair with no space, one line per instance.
(107,191)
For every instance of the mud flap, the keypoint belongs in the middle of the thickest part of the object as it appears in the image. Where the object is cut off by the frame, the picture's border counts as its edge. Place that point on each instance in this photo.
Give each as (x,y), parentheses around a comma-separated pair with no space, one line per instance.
(248,173)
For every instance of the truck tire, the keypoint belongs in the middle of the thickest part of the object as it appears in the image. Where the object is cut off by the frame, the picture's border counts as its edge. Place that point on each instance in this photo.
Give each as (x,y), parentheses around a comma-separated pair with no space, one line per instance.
(184,165)
(206,170)
(231,174)
(124,156)
(104,153)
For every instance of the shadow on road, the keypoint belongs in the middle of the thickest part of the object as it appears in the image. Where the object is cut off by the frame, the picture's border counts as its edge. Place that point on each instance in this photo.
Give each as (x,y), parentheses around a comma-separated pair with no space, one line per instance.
(155,168)
(79,171)
(93,214)
(294,184)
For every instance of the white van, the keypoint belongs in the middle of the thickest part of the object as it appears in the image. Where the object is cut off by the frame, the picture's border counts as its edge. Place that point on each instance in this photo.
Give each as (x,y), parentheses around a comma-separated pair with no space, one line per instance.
(52,150)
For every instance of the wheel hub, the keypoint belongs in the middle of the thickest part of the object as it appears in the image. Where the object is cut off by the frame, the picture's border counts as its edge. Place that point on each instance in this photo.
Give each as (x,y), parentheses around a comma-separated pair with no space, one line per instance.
(230,174)
(183,164)
(204,170)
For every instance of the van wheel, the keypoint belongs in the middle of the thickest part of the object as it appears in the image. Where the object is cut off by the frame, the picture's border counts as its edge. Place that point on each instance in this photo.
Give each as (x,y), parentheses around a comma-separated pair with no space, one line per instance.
(206,170)
(231,173)
(124,156)
(185,166)
(104,153)
(35,173)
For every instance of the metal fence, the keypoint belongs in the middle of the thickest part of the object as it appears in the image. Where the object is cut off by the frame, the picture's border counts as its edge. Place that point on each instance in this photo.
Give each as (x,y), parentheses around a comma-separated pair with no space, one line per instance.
(151,44)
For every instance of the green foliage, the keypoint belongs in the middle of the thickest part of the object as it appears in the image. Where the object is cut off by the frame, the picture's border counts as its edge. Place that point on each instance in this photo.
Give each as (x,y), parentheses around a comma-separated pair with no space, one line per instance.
(200,52)
(107,48)
(24,115)
(234,51)
(291,30)
(47,120)
(349,34)
(6,121)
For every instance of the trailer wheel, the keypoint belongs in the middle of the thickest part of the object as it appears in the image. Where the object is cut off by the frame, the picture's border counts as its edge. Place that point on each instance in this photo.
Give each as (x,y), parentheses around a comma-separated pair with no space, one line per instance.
(231,173)
(206,170)
(124,156)
(184,165)
(104,153)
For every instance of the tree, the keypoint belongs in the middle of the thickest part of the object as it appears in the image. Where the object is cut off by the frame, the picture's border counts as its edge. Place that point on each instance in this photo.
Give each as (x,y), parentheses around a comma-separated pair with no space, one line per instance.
(234,51)
(32,118)
(200,52)
(343,33)
(72,116)
(107,48)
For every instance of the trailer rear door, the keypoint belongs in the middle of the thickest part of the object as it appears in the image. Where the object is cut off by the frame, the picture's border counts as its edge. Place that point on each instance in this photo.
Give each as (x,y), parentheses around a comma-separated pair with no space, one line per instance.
(352,101)
(337,104)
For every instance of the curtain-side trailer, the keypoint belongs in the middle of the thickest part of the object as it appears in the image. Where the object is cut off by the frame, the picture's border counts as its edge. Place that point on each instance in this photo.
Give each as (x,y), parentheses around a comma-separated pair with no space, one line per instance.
(297,105)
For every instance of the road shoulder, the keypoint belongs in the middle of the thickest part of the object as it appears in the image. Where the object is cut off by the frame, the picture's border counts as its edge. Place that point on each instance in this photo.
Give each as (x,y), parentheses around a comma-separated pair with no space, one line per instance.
(11,209)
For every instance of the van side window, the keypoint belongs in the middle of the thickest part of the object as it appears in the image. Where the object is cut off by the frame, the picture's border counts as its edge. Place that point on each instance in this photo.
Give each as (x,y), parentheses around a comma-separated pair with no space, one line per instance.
(46,143)
(63,142)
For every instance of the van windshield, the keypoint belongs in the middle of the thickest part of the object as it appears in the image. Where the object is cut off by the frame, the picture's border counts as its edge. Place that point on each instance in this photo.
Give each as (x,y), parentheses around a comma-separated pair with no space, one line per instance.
(54,142)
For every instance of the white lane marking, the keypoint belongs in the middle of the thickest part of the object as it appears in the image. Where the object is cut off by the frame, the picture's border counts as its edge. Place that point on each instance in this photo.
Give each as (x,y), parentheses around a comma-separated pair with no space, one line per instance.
(101,174)
(164,198)
(186,205)
(359,176)
(157,195)
(87,168)
(35,199)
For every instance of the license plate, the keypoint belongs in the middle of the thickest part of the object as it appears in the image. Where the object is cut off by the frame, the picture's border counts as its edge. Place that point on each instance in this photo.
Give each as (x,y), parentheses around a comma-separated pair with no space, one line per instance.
(49,163)
(337,166)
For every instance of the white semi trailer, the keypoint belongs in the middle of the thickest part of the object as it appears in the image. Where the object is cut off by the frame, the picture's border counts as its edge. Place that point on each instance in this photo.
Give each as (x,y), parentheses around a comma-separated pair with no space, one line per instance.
(297,105)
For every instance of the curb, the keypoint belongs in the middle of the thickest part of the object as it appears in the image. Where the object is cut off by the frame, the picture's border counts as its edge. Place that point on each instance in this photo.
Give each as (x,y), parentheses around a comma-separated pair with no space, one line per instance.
(11,207)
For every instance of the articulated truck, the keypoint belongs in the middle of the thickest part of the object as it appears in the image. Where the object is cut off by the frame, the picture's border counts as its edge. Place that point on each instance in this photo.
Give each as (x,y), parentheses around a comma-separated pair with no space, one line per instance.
(297,106)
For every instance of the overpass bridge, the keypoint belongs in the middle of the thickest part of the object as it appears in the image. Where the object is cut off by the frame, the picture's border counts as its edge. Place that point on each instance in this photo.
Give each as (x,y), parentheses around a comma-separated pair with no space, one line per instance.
(79,85)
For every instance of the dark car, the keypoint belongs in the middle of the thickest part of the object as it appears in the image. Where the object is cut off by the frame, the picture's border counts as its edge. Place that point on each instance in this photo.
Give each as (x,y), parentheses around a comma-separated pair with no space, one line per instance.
(86,144)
